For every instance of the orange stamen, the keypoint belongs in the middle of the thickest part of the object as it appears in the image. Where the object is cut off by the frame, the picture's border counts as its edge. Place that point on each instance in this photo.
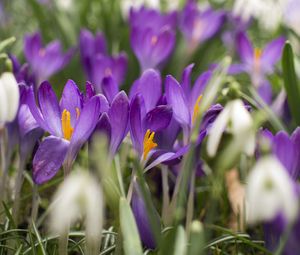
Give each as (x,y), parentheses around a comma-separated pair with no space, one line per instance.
(66,124)
(196,109)
(149,144)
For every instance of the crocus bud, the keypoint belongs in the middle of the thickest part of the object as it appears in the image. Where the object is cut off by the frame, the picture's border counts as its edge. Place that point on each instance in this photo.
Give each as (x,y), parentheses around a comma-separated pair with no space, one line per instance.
(9,97)
(79,195)
(270,191)
(238,122)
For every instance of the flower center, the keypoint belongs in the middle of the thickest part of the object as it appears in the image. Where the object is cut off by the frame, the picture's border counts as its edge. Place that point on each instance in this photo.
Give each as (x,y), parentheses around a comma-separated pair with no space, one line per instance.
(149,144)
(257,56)
(196,109)
(154,39)
(66,124)
(42,52)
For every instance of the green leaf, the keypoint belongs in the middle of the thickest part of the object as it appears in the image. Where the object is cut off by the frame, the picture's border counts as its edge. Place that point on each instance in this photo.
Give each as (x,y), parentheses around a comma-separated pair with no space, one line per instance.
(42,249)
(131,238)
(5,43)
(9,216)
(290,81)
(196,239)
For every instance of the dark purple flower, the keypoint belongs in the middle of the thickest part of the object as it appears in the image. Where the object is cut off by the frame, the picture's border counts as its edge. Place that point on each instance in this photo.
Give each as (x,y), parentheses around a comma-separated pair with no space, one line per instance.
(185,101)
(255,61)
(113,121)
(69,122)
(44,61)
(97,63)
(152,36)
(198,26)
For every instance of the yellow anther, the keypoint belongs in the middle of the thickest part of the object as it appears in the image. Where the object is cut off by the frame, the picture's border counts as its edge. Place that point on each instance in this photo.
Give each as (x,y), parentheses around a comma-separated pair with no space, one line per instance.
(196,109)
(42,52)
(77,112)
(154,40)
(66,124)
(149,144)
(257,54)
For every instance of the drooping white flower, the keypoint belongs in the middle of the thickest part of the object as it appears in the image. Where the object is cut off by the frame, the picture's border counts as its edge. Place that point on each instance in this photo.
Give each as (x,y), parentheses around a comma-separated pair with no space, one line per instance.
(9,97)
(269,13)
(236,120)
(78,196)
(270,191)
(126,5)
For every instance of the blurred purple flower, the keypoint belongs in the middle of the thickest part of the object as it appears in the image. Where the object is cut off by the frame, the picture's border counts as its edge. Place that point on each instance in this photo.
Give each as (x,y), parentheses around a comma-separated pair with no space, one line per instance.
(198,26)
(70,122)
(44,61)
(255,61)
(152,36)
(97,63)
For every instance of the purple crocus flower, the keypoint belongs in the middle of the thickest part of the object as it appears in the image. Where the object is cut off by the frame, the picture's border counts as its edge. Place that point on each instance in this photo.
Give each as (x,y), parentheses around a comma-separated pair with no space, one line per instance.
(44,61)
(97,63)
(255,61)
(184,99)
(114,121)
(198,26)
(152,36)
(70,122)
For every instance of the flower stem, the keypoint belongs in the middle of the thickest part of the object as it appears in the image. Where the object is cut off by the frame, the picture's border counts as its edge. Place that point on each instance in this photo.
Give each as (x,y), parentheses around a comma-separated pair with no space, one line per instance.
(166,197)
(190,205)
(35,203)
(18,187)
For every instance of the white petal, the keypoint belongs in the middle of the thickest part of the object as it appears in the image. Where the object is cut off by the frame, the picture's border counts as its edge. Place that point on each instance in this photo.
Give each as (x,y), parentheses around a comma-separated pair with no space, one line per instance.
(3,104)
(11,88)
(217,130)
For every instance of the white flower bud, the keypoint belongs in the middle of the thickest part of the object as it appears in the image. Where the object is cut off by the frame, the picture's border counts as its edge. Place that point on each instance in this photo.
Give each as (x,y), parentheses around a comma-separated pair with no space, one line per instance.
(270,191)
(9,97)
(79,196)
(238,122)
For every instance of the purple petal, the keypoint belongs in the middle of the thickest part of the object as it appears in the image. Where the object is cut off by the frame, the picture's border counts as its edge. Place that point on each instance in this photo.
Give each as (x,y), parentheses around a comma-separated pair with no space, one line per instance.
(71,100)
(32,45)
(109,88)
(89,90)
(186,79)
(25,120)
(178,101)
(104,105)
(150,88)
(85,125)
(265,92)
(103,126)
(118,116)
(159,118)
(137,131)
(50,108)
(272,53)
(49,158)
(244,47)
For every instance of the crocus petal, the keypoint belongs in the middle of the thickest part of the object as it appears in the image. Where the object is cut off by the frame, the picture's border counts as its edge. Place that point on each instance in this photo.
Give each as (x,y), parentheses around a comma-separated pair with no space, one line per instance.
(150,88)
(186,79)
(109,88)
(159,118)
(50,108)
(118,116)
(103,126)
(25,120)
(49,158)
(89,90)
(137,131)
(71,100)
(244,48)
(164,157)
(272,53)
(35,111)
(178,101)
(85,125)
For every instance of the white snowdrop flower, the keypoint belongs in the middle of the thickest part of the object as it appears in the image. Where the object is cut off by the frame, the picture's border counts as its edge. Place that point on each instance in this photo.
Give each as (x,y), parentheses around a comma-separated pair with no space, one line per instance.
(269,13)
(270,190)
(291,15)
(78,196)
(126,5)
(9,97)
(64,4)
(236,120)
